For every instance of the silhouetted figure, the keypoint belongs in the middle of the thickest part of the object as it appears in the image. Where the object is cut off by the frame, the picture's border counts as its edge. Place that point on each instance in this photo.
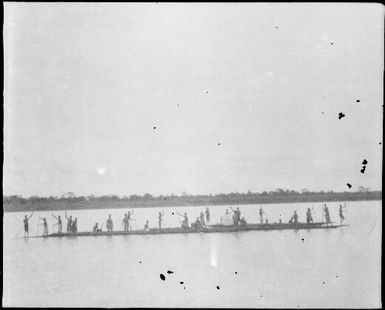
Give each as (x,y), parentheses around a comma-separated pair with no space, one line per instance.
(129,219)
(26,225)
(45,226)
(146,226)
(185,223)
(327,215)
(202,219)
(74,226)
(341,213)
(110,224)
(236,216)
(261,212)
(197,224)
(309,218)
(243,221)
(295,217)
(59,223)
(125,222)
(207,215)
(160,220)
(69,223)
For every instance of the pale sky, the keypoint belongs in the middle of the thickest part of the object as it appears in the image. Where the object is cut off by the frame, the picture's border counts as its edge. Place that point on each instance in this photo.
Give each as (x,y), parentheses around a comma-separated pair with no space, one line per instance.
(203,98)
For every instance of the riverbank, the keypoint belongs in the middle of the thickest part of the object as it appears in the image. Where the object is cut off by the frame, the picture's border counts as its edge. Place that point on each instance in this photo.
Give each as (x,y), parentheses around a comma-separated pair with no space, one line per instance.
(17,204)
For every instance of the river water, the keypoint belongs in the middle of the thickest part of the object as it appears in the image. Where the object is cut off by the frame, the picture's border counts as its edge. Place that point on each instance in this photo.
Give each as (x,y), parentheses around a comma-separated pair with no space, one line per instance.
(307,268)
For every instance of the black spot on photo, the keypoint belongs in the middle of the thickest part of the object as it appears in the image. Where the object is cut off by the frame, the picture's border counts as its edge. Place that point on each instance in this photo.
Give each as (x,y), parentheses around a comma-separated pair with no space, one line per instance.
(341,115)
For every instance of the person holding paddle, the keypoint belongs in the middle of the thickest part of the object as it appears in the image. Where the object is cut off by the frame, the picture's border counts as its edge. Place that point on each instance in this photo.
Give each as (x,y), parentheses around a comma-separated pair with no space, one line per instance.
(185,223)
(74,227)
(202,219)
(69,223)
(160,220)
(45,226)
(129,220)
(261,212)
(327,215)
(207,212)
(59,223)
(110,224)
(309,218)
(26,225)
(341,213)
(125,222)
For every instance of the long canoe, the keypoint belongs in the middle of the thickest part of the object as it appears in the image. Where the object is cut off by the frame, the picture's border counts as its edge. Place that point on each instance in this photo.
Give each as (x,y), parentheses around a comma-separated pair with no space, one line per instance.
(218,228)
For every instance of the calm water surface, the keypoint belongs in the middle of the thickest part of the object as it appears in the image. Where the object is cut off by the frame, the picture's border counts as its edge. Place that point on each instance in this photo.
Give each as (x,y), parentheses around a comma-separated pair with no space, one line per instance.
(315,268)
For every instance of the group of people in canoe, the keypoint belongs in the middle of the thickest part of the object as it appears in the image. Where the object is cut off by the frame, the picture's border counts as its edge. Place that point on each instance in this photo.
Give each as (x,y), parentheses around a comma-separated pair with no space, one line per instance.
(72,224)
(326,215)
(201,222)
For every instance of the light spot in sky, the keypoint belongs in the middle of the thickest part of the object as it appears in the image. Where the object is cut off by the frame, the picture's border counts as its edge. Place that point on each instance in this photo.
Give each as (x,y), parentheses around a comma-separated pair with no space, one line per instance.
(269,74)
(213,256)
(101,170)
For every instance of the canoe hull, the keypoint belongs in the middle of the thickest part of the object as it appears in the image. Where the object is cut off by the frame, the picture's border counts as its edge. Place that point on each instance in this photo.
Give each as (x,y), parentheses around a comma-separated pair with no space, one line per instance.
(210,229)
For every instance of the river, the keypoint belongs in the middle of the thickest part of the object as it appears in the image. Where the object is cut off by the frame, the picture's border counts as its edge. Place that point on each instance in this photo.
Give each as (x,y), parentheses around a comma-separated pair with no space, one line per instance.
(257,269)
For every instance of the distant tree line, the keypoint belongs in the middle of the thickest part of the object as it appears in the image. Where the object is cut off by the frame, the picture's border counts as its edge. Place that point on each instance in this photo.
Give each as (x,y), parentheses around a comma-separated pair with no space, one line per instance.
(70,201)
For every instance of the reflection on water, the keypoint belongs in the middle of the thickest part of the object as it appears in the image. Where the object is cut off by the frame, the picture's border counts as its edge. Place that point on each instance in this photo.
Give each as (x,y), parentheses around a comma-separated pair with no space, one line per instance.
(305,268)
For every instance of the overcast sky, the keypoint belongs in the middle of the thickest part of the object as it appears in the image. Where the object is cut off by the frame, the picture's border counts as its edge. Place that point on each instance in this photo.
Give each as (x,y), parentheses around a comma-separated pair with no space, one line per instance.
(203,98)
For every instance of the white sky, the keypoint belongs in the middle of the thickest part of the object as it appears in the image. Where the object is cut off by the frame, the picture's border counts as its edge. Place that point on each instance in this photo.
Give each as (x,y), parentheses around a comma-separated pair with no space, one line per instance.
(85,85)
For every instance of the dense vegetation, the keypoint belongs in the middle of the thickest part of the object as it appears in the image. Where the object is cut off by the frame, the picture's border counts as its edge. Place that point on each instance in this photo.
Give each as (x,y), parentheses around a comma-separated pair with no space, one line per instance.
(72,202)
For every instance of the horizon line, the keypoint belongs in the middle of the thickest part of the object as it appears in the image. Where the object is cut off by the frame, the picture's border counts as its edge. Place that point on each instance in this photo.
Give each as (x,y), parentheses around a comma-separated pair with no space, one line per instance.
(73,195)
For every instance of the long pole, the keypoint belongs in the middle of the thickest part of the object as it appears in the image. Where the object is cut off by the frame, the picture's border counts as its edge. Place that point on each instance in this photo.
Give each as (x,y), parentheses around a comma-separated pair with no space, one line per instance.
(136,225)
(53,229)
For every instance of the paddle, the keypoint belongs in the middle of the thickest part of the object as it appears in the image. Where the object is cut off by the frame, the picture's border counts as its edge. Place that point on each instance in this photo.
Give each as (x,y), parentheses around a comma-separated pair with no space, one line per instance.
(53,229)
(38,227)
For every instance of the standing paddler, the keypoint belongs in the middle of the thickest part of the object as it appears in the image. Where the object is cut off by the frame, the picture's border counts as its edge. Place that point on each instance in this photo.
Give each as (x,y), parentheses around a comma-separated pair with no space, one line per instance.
(261,212)
(236,216)
(295,217)
(45,226)
(69,223)
(160,220)
(202,219)
(309,218)
(129,219)
(26,225)
(59,223)
(74,226)
(207,212)
(110,224)
(341,213)
(327,214)
(185,223)
(125,222)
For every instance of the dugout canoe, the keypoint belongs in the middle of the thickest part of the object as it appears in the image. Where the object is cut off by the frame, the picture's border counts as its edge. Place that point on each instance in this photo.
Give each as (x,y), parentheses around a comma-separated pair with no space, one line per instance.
(217,228)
